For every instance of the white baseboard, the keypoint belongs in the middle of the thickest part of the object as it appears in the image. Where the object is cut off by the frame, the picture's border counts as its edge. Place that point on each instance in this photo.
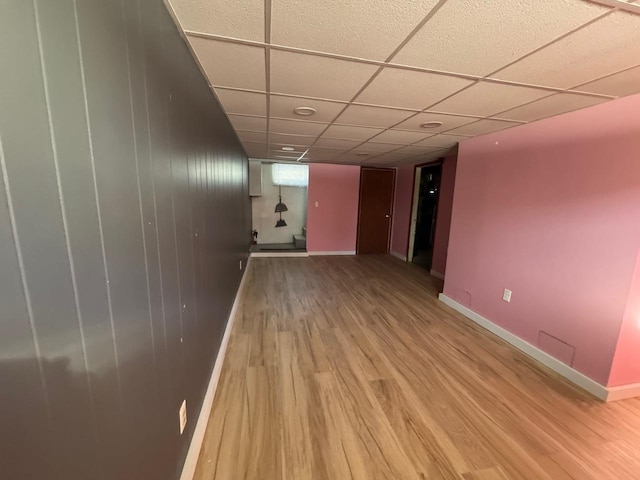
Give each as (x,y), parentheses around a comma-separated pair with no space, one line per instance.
(341,252)
(623,391)
(439,275)
(189,467)
(276,254)
(398,255)
(554,364)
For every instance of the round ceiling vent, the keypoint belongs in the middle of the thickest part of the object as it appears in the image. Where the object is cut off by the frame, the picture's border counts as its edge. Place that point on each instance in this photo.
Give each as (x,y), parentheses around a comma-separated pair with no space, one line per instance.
(305,111)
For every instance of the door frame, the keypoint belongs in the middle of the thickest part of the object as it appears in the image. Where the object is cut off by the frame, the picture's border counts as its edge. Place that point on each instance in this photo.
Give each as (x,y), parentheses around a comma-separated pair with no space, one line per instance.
(393,204)
(417,176)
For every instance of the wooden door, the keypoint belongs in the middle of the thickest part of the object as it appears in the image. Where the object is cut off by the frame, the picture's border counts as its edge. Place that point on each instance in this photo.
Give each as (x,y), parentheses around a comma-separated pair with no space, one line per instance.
(376,207)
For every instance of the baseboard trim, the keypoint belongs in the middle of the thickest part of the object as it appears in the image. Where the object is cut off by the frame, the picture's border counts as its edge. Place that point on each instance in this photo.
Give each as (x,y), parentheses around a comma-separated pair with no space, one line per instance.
(191,461)
(340,252)
(436,274)
(398,255)
(278,254)
(623,392)
(554,364)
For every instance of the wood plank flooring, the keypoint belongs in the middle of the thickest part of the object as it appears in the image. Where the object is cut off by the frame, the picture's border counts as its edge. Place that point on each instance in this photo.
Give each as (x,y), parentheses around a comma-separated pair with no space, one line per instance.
(350,368)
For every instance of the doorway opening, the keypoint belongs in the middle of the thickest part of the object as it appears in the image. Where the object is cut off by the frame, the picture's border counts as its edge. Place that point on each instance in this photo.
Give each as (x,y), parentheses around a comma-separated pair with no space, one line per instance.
(423,226)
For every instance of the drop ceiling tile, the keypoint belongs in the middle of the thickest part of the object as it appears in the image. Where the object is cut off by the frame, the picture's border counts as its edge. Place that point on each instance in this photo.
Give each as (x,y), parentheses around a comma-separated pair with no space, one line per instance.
(276,148)
(285,158)
(301,140)
(283,107)
(554,105)
(479,37)
(372,116)
(483,126)
(222,17)
(359,28)
(255,149)
(404,88)
(256,137)
(242,103)
(442,140)
(418,150)
(604,47)
(448,122)
(620,84)
(400,137)
(355,157)
(485,99)
(322,154)
(350,132)
(243,66)
(243,122)
(315,76)
(336,143)
(295,127)
(371,147)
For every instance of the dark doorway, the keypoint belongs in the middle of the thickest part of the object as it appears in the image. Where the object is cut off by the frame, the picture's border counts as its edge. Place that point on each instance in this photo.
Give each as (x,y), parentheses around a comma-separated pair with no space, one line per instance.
(376,205)
(426,215)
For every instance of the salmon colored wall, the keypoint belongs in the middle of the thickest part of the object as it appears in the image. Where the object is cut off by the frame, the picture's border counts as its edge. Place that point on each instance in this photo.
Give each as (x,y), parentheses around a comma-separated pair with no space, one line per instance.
(332,225)
(443,221)
(626,362)
(402,210)
(551,210)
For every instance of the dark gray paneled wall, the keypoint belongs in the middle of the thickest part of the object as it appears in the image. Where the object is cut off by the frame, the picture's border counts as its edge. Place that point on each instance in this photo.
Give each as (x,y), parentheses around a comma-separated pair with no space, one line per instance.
(124,214)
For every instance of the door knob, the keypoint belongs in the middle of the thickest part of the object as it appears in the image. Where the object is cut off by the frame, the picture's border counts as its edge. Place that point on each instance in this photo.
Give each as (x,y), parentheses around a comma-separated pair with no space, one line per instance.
(387,215)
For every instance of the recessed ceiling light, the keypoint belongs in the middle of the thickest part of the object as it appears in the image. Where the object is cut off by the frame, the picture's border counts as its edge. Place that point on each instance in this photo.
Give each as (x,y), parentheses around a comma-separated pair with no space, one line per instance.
(305,111)
(431,125)
(362,154)
(288,149)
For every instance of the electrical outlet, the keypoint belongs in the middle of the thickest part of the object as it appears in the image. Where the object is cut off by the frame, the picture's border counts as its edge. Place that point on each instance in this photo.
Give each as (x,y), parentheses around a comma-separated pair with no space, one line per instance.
(506,296)
(182,416)
(240,264)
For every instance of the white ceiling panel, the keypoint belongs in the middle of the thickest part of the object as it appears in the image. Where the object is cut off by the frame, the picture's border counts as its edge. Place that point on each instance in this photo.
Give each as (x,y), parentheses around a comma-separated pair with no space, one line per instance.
(350,132)
(401,137)
(336,143)
(322,154)
(448,122)
(483,126)
(255,149)
(254,137)
(243,122)
(243,65)
(302,140)
(418,150)
(359,28)
(620,84)
(372,116)
(315,76)
(485,99)
(229,18)
(283,107)
(442,140)
(604,47)
(554,105)
(416,90)
(242,103)
(296,128)
(479,37)
(372,147)
(277,148)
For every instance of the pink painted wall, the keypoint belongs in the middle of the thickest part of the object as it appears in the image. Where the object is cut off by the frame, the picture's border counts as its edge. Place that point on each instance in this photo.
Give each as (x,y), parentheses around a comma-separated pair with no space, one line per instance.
(402,209)
(332,225)
(443,221)
(551,210)
(626,362)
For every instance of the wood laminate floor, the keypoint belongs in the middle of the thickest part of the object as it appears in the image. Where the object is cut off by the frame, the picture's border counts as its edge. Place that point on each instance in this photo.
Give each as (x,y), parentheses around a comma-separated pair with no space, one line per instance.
(349,367)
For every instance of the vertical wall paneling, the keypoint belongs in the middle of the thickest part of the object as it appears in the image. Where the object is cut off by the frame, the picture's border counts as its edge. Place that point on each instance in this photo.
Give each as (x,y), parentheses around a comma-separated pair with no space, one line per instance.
(124,212)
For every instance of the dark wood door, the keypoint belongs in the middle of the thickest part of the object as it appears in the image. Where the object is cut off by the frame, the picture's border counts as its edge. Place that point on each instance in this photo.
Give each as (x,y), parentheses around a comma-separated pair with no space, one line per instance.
(376,207)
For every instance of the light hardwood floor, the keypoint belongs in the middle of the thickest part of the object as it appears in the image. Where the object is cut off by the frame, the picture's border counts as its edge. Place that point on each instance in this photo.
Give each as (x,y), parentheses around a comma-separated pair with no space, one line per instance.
(349,367)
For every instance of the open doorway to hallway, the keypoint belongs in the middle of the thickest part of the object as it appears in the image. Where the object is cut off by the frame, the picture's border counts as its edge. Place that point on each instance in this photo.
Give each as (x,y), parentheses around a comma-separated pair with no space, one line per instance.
(427,191)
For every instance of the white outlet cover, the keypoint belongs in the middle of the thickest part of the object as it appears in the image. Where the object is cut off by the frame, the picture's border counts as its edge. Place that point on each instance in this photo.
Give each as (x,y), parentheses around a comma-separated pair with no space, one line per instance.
(182,416)
(506,296)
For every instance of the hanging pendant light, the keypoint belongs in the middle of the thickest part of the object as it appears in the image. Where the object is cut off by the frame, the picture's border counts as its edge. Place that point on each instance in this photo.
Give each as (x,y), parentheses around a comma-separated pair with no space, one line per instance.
(280,207)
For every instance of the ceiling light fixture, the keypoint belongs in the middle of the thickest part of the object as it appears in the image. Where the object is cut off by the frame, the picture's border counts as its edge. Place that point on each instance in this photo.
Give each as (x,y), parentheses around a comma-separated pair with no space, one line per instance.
(288,149)
(362,154)
(431,125)
(305,111)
